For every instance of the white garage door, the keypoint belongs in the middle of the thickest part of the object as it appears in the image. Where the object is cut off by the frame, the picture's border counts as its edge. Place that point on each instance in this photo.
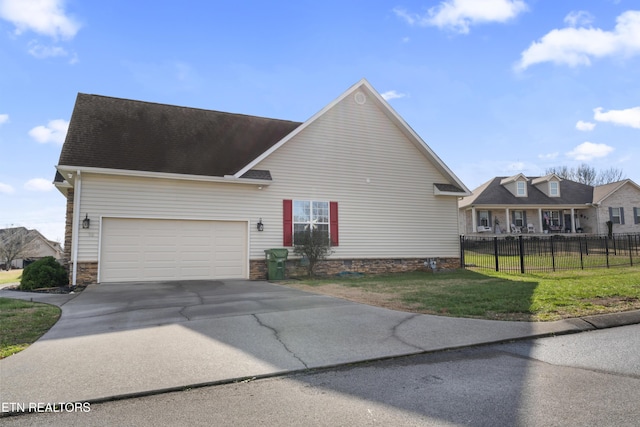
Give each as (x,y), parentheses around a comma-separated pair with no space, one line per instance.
(154,249)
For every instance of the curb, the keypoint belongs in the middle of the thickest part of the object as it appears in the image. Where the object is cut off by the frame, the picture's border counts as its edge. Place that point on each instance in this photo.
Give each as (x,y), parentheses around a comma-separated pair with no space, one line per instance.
(612,320)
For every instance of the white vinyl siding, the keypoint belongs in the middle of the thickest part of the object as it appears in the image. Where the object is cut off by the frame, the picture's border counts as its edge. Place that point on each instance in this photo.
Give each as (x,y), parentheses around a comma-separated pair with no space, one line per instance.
(352,154)
(384,185)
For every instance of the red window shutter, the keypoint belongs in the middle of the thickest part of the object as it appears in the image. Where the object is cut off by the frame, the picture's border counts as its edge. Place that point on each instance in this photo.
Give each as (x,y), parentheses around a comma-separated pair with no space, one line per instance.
(333,223)
(287,223)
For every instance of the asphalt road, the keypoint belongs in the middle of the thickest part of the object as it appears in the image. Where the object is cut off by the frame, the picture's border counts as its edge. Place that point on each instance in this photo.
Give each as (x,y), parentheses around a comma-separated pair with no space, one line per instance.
(586,379)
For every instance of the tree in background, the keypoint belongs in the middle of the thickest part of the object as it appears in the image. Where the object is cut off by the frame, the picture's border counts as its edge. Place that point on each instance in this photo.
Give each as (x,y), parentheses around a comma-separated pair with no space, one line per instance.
(15,243)
(586,174)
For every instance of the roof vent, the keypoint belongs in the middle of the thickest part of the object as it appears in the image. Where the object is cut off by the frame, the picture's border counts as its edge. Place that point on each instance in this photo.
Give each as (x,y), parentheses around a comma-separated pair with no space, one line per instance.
(360,98)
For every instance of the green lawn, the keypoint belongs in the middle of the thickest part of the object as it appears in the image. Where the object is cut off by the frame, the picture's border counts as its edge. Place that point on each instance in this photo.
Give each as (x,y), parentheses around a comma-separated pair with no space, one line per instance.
(532,262)
(23,322)
(491,295)
(10,276)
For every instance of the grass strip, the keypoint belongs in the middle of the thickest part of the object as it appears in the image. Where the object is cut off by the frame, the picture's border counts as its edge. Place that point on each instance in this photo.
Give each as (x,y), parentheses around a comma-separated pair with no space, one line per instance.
(22,323)
(500,296)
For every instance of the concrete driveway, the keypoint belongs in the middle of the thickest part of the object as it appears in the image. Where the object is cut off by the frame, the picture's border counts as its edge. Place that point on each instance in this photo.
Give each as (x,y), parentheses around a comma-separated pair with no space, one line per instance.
(117,340)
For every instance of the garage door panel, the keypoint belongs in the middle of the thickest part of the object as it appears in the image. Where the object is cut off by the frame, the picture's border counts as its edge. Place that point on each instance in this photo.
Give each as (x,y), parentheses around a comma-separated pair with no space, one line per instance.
(147,249)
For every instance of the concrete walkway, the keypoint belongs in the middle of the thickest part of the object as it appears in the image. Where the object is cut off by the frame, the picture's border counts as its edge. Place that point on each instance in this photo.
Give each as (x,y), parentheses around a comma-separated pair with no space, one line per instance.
(120,340)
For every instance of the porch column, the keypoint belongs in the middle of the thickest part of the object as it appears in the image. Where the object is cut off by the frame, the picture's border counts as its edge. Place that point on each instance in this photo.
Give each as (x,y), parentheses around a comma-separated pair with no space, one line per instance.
(508,220)
(474,222)
(540,219)
(573,220)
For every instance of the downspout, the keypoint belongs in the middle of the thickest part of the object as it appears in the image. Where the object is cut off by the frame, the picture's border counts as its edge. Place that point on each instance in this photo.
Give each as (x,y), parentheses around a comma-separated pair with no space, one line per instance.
(75,228)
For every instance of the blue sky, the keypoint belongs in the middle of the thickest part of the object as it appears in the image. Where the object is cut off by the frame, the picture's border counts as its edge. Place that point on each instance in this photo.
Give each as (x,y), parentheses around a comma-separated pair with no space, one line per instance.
(495,87)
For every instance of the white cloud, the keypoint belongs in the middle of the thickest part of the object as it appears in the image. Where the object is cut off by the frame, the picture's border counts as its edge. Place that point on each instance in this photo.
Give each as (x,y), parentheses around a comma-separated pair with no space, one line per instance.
(55,131)
(549,156)
(6,188)
(629,117)
(4,118)
(577,46)
(41,51)
(45,17)
(392,94)
(459,15)
(38,184)
(578,18)
(589,151)
(585,126)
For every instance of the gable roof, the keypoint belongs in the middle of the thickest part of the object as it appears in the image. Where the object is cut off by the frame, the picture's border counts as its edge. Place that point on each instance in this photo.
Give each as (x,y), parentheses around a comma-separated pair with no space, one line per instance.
(601,192)
(29,236)
(493,193)
(456,186)
(114,134)
(514,178)
(546,178)
(123,134)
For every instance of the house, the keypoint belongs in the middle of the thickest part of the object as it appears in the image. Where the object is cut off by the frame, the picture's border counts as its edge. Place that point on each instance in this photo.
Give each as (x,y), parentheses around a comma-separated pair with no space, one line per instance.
(25,246)
(550,204)
(161,192)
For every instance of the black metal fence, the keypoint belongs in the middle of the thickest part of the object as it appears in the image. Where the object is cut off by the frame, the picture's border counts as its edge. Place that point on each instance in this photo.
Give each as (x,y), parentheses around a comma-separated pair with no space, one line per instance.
(549,253)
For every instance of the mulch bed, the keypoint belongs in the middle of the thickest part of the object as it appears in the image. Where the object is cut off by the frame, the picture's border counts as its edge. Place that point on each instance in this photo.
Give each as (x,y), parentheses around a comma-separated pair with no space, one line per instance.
(54,290)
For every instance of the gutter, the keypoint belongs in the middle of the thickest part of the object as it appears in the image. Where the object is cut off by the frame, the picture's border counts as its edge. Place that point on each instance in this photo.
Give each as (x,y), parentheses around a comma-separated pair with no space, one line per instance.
(228,179)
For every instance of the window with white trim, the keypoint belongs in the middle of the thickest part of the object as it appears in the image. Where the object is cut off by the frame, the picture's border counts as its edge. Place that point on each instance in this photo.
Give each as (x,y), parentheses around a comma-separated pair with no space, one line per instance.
(483,218)
(518,218)
(554,189)
(551,218)
(616,215)
(521,189)
(310,215)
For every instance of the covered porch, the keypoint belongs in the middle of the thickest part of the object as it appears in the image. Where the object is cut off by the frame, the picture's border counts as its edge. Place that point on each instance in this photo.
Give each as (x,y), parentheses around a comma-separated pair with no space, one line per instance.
(527,220)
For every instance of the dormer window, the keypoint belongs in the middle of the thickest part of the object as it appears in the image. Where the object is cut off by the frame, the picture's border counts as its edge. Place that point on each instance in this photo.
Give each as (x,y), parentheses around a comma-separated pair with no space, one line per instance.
(521,189)
(554,189)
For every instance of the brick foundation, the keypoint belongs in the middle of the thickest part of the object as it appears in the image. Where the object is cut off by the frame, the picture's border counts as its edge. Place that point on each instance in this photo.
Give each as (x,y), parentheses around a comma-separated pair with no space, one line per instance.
(87,273)
(329,267)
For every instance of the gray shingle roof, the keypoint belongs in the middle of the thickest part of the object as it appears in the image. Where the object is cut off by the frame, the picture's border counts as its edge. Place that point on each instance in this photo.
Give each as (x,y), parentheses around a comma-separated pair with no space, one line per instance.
(450,188)
(116,133)
(493,193)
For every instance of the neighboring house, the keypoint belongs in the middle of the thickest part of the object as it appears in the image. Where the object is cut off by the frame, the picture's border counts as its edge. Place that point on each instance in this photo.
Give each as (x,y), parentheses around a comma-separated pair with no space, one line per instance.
(550,204)
(181,193)
(29,245)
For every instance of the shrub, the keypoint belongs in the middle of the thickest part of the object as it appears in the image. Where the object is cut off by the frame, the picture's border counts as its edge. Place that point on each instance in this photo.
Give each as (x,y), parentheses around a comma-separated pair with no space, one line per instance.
(314,245)
(44,273)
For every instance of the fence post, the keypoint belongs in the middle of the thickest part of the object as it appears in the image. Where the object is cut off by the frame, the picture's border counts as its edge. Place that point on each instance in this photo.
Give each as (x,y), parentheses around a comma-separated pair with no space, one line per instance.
(606,249)
(630,251)
(553,257)
(521,250)
(581,258)
(462,263)
(586,246)
(495,252)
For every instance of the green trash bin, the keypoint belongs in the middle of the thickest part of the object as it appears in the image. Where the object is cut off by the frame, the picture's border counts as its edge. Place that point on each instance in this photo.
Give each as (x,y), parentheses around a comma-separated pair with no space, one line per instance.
(276,259)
